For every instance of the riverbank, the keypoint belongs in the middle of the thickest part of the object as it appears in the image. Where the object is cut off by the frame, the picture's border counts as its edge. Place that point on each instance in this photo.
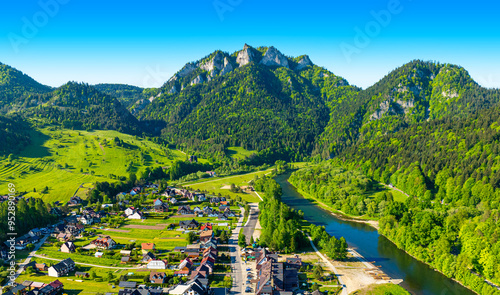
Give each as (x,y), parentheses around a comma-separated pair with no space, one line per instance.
(337,213)
(419,278)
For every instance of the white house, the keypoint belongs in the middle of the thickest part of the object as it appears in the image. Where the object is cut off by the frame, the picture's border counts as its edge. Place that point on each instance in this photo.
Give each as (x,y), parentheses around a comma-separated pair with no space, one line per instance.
(136,215)
(173,200)
(129,211)
(158,202)
(156,264)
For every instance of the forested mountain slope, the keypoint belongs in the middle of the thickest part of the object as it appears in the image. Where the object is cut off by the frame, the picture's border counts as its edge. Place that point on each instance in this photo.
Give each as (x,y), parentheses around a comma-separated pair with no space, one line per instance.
(416,92)
(255,98)
(450,168)
(16,87)
(81,106)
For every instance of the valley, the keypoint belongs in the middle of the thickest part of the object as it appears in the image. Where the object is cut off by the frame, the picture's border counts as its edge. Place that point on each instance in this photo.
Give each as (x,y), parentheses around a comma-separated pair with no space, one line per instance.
(416,155)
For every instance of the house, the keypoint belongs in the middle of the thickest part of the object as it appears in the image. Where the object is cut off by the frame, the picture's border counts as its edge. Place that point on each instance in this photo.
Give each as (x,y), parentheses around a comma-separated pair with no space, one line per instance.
(41,267)
(98,254)
(185,264)
(211,173)
(184,210)
(87,219)
(156,264)
(125,252)
(201,197)
(206,226)
(63,237)
(126,284)
(68,247)
(148,257)
(146,247)
(173,200)
(129,211)
(125,259)
(158,202)
(229,213)
(180,249)
(61,268)
(157,277)
(197,210)
(206,235)
(136,215)
(181,273)
(161,208)
(294,262)
(222,216)
(275,278)
(188,224)
(192,253)
(194,287)
(210,243)
(104,242)
(18,289)
(75,200)
(35,232)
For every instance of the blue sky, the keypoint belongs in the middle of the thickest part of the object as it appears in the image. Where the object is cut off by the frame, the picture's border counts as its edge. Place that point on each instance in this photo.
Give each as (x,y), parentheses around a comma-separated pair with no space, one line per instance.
(144,43)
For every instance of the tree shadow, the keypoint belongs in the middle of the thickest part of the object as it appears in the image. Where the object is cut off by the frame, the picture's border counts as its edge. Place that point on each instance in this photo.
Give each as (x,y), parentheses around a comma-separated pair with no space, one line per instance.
(36,149)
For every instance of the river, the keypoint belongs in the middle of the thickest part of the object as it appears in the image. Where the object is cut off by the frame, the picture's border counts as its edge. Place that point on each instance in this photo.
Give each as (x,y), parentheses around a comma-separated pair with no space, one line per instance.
(418,278)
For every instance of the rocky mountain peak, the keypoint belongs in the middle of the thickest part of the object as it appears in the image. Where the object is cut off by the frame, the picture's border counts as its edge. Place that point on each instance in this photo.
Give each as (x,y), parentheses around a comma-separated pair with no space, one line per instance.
(274,58)
(245,56)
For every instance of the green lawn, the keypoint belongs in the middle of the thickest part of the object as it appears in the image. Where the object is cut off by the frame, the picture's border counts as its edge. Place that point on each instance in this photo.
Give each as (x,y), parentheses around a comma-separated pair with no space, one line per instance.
(382,289)
(220,185)
(62,160)
(71,286)
(239,152)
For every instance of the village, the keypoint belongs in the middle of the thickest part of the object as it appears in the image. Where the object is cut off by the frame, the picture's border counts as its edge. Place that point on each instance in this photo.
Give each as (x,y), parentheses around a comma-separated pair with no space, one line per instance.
(171,241)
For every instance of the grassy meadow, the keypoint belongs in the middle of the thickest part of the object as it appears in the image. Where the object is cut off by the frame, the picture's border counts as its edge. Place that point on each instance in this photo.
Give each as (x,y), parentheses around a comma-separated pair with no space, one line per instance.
(64,160)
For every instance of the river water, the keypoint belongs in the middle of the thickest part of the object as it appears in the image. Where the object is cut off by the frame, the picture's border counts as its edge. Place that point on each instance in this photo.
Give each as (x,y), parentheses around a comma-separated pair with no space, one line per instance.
(418,278)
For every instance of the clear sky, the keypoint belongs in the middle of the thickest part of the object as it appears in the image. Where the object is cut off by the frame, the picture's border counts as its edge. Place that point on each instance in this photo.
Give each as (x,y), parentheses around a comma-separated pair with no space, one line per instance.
(145,42)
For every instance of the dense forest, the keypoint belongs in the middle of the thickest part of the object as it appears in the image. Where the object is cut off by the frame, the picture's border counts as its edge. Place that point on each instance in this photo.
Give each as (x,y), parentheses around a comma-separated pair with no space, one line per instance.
(127,95)
(81,106)
(16,86)
(449,169)
(413,93)
(30,214)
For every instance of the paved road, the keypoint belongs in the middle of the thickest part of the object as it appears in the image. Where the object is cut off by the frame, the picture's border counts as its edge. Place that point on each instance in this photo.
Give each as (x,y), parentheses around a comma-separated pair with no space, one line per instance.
(28,259)
(237,264)
(249,227)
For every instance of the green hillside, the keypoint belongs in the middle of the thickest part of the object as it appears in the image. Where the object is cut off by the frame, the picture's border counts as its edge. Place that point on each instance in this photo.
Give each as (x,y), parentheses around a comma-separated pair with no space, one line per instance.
(15,87)
(64,159)
(415,92)
(81,106)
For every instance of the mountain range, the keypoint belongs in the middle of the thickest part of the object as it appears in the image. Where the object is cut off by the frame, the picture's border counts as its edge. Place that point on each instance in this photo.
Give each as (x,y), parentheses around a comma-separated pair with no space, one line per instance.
(257,98)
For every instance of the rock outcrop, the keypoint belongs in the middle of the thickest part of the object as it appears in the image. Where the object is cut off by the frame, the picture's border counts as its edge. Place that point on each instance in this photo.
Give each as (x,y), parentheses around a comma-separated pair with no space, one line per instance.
(228,67)
(245,56)
(274,58)
(304,62)
(217,62)
(199,79)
